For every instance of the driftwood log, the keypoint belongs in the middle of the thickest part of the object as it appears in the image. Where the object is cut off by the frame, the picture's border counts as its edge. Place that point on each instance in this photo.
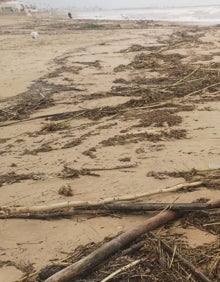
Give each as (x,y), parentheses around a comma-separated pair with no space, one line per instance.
(89,262)
(115,208)
(72,204)
(142,207)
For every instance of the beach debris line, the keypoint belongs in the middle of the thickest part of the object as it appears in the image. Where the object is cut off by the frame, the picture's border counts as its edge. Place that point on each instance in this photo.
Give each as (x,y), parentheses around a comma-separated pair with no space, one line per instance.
(88,263)
(209,177)
(179,79)
(196,273)
(95,258)
(172,252)
(38,96)
(158,263)
(69,172)
(13,177)
(142,136)
(52,127)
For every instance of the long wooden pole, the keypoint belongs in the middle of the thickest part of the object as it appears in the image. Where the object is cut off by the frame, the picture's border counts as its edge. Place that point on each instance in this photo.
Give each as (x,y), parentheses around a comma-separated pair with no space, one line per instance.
(108,209)
(73,204)
(117,207)
(141,207)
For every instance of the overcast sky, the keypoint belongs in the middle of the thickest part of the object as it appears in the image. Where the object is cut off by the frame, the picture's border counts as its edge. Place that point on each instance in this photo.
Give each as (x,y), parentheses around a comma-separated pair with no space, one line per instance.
(120,3)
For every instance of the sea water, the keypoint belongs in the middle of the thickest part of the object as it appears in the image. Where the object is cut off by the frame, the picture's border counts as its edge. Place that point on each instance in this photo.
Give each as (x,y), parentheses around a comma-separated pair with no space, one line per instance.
(192,11)
(199,14)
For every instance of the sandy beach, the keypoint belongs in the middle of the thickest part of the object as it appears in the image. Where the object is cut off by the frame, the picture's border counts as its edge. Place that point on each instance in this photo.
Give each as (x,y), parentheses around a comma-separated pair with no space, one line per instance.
(103,109)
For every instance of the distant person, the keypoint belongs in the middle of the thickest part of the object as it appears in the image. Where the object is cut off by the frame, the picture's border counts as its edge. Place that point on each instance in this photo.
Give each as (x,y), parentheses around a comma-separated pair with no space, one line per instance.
(70,15)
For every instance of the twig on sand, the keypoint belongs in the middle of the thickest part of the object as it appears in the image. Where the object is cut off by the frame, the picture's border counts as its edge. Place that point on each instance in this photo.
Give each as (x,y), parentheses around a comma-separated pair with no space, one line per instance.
(111,168)
(211,224)
(124,268)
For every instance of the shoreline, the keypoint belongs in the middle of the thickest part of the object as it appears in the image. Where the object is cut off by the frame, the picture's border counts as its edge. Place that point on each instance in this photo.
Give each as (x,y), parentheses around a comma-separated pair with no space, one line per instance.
(195,15)
(58,15)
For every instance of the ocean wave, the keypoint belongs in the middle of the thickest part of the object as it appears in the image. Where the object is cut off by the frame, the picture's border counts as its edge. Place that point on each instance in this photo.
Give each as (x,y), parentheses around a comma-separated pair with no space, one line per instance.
(203,14)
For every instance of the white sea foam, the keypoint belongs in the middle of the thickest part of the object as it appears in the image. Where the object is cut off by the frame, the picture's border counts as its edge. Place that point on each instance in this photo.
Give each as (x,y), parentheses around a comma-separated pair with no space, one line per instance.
(203,14)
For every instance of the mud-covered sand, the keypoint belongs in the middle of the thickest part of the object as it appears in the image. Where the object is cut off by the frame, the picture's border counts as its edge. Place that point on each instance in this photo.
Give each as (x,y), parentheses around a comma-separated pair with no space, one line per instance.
(123,102)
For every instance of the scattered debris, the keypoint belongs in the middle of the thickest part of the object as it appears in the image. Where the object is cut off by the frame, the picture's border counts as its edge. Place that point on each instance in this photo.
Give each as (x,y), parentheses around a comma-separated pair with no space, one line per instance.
(135,48)
(12,177)
(69,172)
(73,143)
(52,127)
(143,136)
(90,153)
(209,178)
(158,118)
(169,258)
(157,175)
(66,190)
(126,159)
(42,149)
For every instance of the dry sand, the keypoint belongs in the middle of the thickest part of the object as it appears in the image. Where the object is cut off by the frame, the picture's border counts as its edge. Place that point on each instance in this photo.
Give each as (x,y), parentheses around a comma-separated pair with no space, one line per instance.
(71,67)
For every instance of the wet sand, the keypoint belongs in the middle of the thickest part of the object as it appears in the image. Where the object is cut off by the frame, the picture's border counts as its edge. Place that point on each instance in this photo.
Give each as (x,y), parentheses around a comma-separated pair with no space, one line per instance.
(96,96)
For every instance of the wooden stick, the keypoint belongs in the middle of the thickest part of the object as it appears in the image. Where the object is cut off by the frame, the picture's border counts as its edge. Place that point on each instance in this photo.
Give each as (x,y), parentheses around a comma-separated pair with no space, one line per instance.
(137,207)
(59,214)
(111,168)
(211,224)
(124,268)
(72,204)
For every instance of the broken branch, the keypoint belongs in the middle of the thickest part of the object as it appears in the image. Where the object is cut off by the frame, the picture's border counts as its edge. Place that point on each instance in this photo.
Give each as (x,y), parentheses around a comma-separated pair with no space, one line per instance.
(73,204)
(114,208)
(124,268)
